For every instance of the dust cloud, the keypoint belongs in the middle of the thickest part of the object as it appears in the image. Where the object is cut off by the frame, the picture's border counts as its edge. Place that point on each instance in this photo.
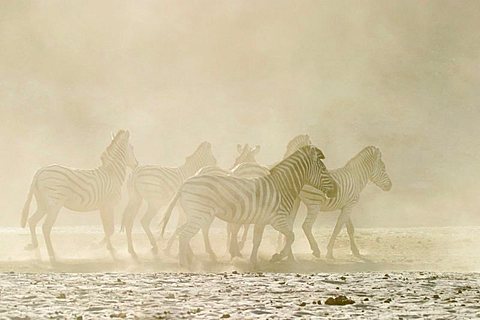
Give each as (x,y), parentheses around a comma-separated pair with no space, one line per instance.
(401,75)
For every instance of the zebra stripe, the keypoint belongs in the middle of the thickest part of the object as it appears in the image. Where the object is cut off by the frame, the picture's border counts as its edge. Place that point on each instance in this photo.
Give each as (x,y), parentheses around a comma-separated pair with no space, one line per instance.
(156,185)
(57,186)
(366,166)
(247,167)
(261,201)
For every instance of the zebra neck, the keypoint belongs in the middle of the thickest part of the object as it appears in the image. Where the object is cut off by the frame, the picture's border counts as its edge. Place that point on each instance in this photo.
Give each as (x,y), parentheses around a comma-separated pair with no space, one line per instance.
(189,169)
(116,170)
(360,172)
(288,179)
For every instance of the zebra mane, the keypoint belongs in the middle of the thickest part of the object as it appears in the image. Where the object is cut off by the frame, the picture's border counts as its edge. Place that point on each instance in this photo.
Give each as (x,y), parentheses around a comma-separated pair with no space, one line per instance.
(301,150)
(119,142)
(296,143)
(369,152)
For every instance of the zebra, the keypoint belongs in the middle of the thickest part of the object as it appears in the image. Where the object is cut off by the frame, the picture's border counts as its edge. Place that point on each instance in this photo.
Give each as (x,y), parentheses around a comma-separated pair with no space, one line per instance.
(156,185)
(259,201)
(57,186)
(246,156)
(351,179)
(253,170)
(249,171)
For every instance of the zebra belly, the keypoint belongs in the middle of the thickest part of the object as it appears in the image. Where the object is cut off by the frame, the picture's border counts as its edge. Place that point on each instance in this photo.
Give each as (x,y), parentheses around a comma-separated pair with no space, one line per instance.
(242,208)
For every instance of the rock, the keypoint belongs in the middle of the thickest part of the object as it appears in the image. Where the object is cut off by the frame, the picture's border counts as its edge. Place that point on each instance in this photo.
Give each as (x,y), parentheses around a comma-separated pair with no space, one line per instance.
(343,278)
(436,296)
(339,301)
(388,300)
(121,315)
(61,296)
(79,318)
(225,315)
(234,272)
(302,304)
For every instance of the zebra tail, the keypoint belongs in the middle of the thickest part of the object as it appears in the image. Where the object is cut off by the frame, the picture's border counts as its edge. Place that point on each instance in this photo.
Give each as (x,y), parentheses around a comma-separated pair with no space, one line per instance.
(26,207)
(168,212)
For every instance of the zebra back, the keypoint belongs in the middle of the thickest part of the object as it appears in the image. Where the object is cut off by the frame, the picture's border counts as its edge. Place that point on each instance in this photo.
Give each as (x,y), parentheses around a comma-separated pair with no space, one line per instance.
(250,170)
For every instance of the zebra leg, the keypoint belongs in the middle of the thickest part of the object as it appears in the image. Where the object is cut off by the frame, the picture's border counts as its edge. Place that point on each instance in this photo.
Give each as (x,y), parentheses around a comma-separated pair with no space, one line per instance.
(244,238)
(206,240)
(32,223)
(287,249)
(307,229)
(257,239)
(281,240)
(170,242)
(185,234)
(285,228)
(47,229)
(106,214)
(353,245)
(129,214)
(146,220)
(233,245)
(181,220)
(342,218)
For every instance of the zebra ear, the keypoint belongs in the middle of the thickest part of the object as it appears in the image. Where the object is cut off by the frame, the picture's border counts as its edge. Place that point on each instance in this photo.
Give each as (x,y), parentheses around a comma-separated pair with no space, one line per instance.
(239,148)
(256,149)
(127,134)
(113,136)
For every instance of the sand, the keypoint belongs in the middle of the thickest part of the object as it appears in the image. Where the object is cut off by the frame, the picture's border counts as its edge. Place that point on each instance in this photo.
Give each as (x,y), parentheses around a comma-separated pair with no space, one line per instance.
(404,273)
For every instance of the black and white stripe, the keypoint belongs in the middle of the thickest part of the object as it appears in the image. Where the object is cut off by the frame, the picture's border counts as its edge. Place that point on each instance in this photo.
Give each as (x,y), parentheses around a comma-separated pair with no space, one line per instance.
(246,166)
(260,201)
(56,186)
(366,166)
(156,185)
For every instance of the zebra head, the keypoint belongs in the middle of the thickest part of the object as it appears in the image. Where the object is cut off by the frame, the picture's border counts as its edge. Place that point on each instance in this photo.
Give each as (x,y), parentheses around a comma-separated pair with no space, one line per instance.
(379,174)
(246,154)
(121,150)
(318,175)
(202,157)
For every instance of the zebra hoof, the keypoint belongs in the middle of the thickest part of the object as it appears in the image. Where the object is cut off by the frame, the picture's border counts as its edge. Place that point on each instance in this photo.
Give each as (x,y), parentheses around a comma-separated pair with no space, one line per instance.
(31,246)
(276,257)
(330,256)
(154,250)
(357,254)
(316,254)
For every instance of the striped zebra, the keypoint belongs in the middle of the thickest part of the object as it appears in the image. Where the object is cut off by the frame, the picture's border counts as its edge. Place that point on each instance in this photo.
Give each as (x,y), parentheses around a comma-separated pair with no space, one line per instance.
(56,186)
(248,171)
(246,157)
(252,171)
(366,166)
(260,201)
(156,185)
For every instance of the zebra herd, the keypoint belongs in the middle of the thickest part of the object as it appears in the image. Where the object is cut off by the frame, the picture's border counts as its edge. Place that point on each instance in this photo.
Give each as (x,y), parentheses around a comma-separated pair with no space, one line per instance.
(247,194)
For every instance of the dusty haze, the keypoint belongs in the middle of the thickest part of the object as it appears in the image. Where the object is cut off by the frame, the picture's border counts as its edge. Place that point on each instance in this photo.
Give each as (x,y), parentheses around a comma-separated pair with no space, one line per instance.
(404,76)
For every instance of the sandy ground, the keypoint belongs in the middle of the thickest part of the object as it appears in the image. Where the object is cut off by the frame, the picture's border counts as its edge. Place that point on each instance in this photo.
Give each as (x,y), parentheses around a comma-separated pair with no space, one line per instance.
(404,273)
(239,295)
